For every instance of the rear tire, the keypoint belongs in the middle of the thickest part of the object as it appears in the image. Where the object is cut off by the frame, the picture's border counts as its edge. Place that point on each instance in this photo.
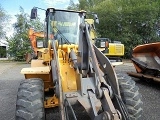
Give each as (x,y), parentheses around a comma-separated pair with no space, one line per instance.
(130,96)
(30,100)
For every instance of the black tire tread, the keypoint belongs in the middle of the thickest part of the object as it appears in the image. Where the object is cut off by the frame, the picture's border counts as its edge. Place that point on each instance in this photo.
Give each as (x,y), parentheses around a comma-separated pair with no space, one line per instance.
(130,96)
(30,96)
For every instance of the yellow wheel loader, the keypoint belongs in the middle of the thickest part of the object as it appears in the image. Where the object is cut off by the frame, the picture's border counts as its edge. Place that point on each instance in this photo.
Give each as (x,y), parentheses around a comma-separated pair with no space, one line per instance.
(113,50)
(71,73)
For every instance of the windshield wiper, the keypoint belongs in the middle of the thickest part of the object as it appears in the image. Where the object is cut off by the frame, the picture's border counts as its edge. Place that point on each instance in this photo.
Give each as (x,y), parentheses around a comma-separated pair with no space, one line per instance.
(60,33)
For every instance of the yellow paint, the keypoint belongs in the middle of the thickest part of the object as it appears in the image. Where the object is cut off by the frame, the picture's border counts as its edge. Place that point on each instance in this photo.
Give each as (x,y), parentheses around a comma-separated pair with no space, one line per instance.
(67,72)
(115,49)
(51,102)
(41,68)
(68,77)
(93,34)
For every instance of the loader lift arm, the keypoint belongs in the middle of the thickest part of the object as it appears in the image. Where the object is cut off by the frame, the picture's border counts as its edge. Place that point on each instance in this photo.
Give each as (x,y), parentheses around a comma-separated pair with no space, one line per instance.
(87,64)
(103,88)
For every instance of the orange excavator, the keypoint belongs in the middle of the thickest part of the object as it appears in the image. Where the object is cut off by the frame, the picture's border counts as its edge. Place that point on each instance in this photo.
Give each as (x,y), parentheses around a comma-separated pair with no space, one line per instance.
(33,36)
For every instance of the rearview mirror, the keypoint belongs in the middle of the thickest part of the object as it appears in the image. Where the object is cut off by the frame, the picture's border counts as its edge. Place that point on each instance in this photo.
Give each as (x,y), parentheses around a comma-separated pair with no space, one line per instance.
(34,13)
(96,19)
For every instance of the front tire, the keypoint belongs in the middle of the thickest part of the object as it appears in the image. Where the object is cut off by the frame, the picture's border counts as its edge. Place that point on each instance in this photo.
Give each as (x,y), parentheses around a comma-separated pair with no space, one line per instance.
(30,100)
(130,96)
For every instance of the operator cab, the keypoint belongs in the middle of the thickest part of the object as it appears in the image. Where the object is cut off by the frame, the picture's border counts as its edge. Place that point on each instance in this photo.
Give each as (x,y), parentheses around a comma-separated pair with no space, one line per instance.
(64,25)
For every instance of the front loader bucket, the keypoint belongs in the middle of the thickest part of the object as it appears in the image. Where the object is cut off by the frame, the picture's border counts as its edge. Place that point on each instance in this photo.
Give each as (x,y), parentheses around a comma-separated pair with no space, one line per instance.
(146,60)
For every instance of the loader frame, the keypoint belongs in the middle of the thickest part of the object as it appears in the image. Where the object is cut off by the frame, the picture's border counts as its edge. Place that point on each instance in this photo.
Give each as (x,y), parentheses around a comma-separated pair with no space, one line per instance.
(76,71)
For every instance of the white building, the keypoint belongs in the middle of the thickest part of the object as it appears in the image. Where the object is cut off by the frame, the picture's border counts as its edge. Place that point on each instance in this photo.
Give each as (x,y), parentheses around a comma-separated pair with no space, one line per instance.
(3,50)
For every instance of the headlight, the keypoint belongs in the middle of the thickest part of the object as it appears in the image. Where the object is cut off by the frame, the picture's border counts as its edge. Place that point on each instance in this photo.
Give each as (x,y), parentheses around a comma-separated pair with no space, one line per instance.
(102,44)
(40,43)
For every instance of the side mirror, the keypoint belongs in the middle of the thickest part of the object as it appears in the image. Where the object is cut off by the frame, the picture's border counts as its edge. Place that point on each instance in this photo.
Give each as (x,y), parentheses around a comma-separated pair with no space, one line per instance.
(96,19)
(34,13)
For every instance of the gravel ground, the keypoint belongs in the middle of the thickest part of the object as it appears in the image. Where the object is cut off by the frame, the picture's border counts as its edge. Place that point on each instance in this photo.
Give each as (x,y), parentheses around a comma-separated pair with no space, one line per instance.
(10,78)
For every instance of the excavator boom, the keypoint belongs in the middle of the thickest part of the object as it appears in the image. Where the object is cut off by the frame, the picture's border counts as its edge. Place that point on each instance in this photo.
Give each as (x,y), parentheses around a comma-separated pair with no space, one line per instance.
(33,35)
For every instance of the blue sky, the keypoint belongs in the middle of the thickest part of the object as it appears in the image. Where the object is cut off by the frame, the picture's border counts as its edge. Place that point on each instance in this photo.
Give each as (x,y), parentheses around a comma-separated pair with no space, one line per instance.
(12,7)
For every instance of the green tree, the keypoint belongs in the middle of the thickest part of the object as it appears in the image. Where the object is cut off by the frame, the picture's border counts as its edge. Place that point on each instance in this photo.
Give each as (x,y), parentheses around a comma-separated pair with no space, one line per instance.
(83,4)
(19,44)
(73,6)
(132,22)
(3,20)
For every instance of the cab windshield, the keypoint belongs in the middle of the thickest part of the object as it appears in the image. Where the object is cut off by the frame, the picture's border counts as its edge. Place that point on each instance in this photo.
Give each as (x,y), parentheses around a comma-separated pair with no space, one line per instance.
(65,26)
